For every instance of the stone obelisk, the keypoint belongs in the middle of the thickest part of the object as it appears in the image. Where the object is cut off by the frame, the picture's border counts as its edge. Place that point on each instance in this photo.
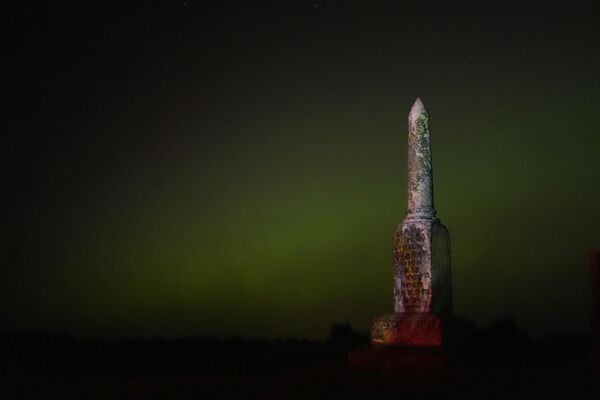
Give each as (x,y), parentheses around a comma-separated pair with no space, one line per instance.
(421,257)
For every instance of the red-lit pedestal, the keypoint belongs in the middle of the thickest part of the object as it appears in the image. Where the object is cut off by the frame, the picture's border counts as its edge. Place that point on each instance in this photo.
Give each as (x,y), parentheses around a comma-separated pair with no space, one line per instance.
(402,343)
(414,329)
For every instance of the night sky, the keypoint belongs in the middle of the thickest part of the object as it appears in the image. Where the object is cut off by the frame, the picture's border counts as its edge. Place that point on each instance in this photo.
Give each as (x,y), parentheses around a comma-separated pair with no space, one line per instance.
(230,168)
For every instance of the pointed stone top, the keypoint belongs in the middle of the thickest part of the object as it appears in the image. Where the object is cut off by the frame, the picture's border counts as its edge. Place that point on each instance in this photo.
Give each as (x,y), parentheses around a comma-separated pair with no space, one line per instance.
(417,110)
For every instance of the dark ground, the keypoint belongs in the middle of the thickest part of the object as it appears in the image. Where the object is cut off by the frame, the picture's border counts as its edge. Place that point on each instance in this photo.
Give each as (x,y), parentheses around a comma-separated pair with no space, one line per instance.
(500,362)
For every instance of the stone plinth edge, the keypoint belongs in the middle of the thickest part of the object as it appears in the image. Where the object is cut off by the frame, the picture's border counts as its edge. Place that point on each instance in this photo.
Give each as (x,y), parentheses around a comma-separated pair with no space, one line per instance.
(408,329)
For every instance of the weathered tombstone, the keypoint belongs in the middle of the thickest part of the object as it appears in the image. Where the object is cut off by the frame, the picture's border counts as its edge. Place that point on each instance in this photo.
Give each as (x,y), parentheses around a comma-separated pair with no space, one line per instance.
(421,257)
(410,339)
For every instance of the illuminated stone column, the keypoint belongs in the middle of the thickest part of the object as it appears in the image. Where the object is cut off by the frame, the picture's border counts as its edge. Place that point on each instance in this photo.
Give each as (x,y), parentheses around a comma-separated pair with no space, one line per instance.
(421,255)
(420,178)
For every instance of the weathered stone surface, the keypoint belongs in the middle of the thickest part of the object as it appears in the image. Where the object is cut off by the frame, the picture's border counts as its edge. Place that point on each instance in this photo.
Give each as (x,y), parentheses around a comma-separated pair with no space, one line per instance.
(412,268)
(415,329)
(421,255)
(422,278)
(441,274)
(420,176)
(421,261)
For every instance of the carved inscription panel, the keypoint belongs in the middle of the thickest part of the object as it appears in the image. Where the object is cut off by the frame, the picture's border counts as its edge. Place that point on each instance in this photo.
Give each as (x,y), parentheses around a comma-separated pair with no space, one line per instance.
(412,270)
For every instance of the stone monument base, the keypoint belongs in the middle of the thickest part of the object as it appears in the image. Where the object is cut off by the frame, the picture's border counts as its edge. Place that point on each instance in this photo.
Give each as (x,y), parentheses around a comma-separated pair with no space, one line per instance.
(407,329)
(417,345)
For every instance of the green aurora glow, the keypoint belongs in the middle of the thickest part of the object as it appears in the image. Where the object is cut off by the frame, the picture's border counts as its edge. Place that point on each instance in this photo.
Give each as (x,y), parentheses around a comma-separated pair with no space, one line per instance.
(250,183)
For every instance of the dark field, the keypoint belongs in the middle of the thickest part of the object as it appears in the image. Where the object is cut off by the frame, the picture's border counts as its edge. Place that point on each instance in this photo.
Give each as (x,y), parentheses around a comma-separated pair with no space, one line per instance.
(500,362)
